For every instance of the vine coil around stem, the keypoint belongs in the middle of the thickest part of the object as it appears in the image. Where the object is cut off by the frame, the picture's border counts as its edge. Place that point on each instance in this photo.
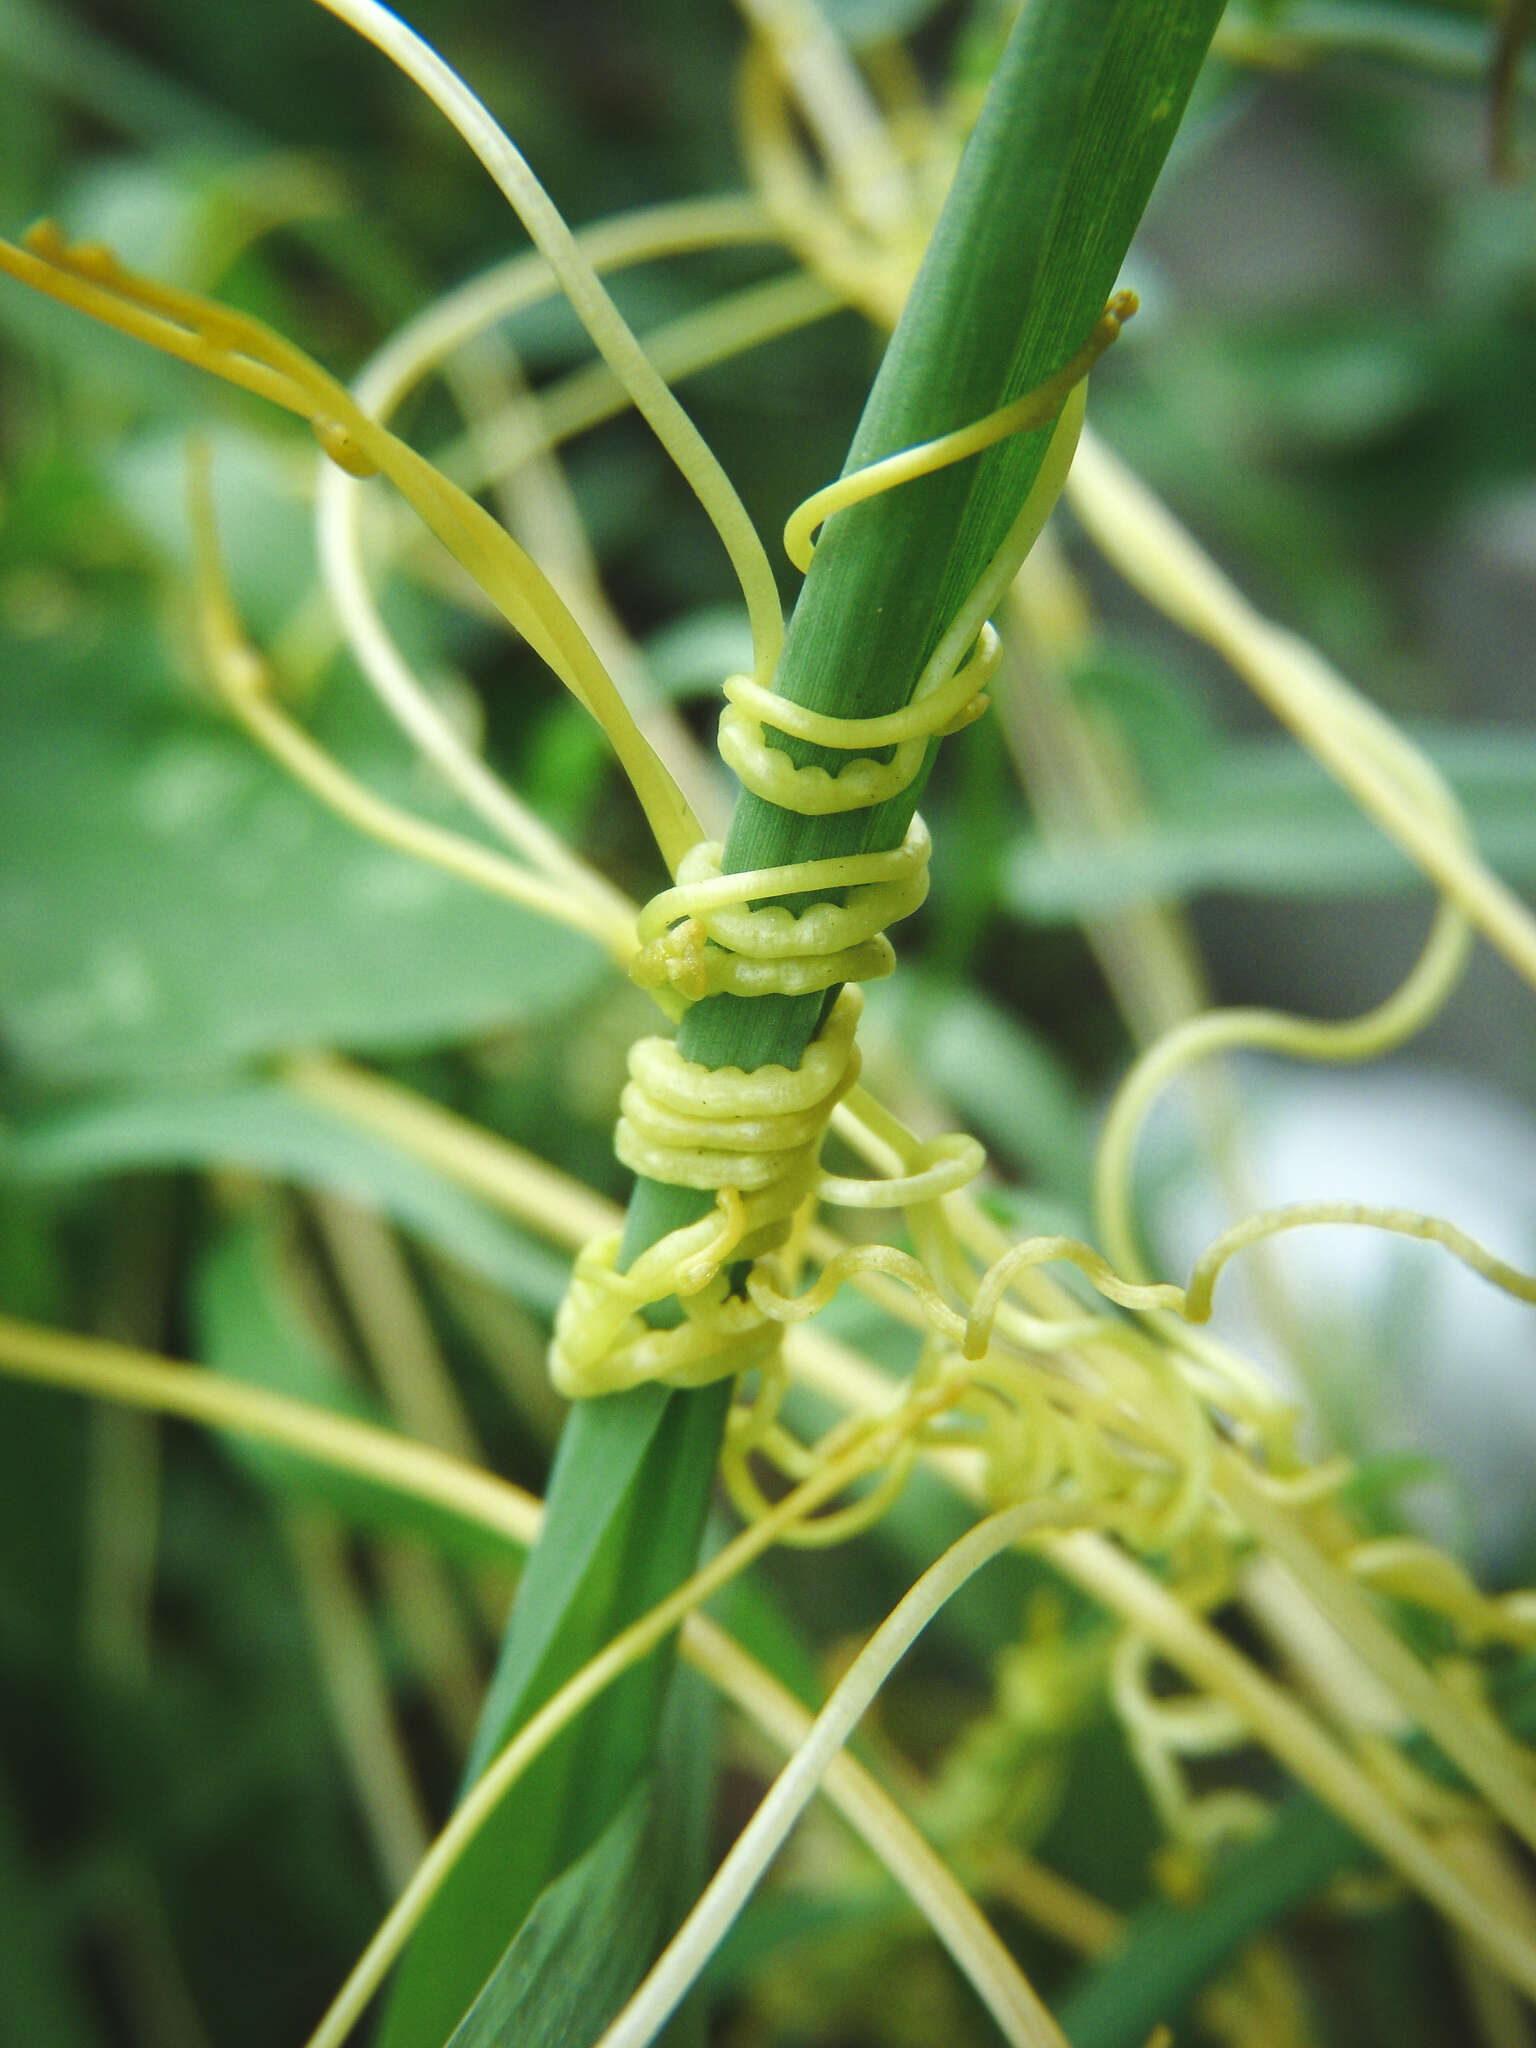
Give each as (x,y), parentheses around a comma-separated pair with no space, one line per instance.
(754,1137)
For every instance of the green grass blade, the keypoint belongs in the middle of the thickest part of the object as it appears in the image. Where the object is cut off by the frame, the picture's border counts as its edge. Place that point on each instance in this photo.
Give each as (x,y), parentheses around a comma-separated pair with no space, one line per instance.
(1171,1951)
(593,1931)
(626,1499)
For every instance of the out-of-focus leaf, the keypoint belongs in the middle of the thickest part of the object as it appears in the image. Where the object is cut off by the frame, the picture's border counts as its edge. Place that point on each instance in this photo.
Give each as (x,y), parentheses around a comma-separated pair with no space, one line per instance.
(1264,818)
(1337,383)
(876,21)
(170,903)
(1157,710)
(43,1998)
(1005,1081)
(270,1130)
(256,477)
(61,56)
(245,1328)
(693,656)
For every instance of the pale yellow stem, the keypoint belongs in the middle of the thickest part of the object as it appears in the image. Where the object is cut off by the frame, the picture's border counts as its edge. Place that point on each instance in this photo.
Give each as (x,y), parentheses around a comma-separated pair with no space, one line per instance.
(500,1172)
(1155,554)
(1192,1645)
(585,398)
(139,1379)
(1034,1892)
(115,1373)
(535,502)
(436,1635)
(245,687)
(394,1326)
(1499,1767)
(1296,1740)
(839,110)
(324,777)
(415,350)
(1050,1901)
(1013,2004)
(592,305)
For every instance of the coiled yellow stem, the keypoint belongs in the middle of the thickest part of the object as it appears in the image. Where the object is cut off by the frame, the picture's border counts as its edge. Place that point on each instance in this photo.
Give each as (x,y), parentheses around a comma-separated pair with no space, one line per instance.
(755,1138)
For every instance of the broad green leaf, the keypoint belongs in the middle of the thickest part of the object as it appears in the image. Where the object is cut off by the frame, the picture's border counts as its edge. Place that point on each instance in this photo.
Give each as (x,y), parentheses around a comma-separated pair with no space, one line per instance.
(270,1130)
(172,904)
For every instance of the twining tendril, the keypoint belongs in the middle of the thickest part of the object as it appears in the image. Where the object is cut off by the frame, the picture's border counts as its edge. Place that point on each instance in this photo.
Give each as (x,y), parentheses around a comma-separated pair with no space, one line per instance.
(938,707)
(707,935)
(1036,408)
(245,686)
(244,351)
(547,227)
(757,1136)
(1163,1730)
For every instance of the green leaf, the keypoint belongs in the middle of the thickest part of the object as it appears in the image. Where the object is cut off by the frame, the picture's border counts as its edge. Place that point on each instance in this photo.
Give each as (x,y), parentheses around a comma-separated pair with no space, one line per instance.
(270,1130)
(581,1949)
(247,1328)
(45,2000)
(173,904)
(594,1931)
(626,1500)
(1264,819)
(83,66)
